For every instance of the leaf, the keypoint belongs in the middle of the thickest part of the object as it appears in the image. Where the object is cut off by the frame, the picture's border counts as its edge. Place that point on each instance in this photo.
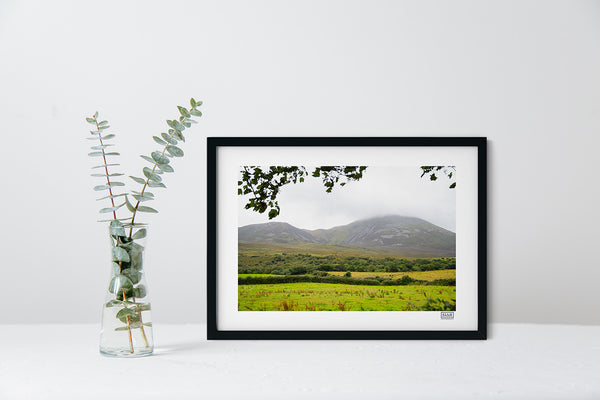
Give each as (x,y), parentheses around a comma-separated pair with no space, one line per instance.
(120,254)
(101,187)
(118,283)
(133,275)
(192,102)
(101,128)
(102,123)
(151,175)
(178,135)
(122,328)
(453,185)
(117,184)
(95,154)
(110,209)
(159,140)
(145,307)
(183,111)
(140,291)
(146,209)
(110,136)
(168,138)
(107,165)
(195,112)
(138,180)
(139,234)
(141,198)
(96,115)
(115,174)
(114,153)
(148,324)
(165,167)
(114,196)
(101,147)
(113,303)
(124,313)
(130,207)
(91,120)
(116,268)
(146,193)
(175,151)
(156,184)
(149,159)
(116,228)
(159,158)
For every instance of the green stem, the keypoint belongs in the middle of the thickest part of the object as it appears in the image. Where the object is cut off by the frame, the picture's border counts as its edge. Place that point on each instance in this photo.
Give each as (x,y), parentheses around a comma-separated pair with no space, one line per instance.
(112,200)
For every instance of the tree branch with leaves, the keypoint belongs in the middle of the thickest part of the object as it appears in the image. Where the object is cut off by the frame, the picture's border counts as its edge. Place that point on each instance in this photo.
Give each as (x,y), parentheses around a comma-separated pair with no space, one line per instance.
(264,184)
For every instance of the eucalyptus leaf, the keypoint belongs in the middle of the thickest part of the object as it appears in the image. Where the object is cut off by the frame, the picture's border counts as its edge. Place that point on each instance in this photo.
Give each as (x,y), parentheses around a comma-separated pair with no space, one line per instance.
(134,324)
(116,268)
(115,174)
(118,283)
(130,207)
(159,158)
(117,184)
(151,175)
(133,275)
(145,307)
(142,198)
(114,196)
(91,120)
(168,138)
(96,115)
(197,113)
(148,324)
(103,127)
(156,184)
(101,147)
(120,255)
(101,187)
(175,151)
(146,209)
(183,111)
(102,123)
(136,254)
(113,303)
(116,228)
(179,135)
(95,154)
(159,140)
(103,166)
(165,167)
(192,102)
(138,180)
(110,209)
(140,291)
(122,328)
(146,193)
(109,136)
(114,153)
(141,233)
(149,159)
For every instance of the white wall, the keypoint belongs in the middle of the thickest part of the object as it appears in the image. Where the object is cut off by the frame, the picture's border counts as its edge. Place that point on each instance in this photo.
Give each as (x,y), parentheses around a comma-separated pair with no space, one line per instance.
(526,74)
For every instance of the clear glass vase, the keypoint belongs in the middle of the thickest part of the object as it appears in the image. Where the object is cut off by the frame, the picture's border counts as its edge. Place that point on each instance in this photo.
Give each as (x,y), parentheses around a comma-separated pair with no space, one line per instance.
(126,316)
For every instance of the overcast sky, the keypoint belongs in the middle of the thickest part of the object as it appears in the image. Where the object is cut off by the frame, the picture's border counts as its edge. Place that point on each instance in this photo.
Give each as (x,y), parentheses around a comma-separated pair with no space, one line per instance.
(381,191)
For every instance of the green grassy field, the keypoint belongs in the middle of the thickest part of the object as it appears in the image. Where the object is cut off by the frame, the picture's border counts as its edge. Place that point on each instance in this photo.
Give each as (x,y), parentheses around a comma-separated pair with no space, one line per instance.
(339,297)
(420,275)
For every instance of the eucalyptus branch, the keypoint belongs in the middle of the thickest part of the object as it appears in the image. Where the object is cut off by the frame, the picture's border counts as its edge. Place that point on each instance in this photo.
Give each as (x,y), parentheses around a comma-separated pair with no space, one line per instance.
(160,159)
(100,151)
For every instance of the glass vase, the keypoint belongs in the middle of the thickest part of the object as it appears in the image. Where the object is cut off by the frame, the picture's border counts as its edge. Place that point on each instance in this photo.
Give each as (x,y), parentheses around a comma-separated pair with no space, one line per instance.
(126,315)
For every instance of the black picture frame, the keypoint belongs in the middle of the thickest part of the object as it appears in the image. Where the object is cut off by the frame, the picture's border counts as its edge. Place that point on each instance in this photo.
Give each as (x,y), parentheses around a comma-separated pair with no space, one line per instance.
(213,331)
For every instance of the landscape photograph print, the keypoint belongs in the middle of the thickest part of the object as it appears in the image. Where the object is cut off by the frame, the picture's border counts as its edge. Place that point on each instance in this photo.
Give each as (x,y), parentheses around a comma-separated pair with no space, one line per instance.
(346,238)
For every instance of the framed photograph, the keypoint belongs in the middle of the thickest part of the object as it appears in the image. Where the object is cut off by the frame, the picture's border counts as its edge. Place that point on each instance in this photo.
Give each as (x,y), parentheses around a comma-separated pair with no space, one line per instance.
(347,238)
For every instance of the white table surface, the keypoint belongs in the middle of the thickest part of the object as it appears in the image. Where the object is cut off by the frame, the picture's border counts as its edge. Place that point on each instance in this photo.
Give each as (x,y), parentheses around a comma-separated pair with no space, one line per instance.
(517,362)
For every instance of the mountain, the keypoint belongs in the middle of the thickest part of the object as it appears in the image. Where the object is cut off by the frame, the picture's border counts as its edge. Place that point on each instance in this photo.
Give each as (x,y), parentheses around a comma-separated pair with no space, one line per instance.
(409,236)
(275,233)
